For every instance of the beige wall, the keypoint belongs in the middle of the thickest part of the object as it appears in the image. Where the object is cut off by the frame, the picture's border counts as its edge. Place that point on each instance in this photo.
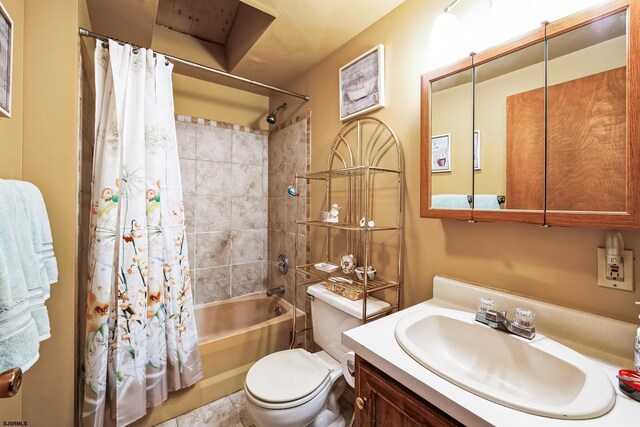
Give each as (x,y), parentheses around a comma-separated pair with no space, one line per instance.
(39,144)
(199,98)
(11,151)
(552,264)
(49,160)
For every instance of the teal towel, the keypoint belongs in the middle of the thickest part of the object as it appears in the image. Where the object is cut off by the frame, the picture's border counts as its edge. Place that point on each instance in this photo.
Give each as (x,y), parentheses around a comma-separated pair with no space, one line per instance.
(450,201)
(19,337)
(41,229)
(485,201)
(32,209)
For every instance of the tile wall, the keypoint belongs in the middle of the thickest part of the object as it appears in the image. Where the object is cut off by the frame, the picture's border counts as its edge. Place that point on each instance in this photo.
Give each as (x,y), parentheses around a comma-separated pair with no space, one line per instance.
(289,153)
(224,171)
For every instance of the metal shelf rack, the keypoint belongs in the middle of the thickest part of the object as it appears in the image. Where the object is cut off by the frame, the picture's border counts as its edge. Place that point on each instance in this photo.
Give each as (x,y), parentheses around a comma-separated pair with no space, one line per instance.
(363,152)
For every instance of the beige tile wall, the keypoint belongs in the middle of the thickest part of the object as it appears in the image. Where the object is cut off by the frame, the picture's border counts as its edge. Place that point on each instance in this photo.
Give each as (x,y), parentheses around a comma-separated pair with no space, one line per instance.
(225,186)
(289,152)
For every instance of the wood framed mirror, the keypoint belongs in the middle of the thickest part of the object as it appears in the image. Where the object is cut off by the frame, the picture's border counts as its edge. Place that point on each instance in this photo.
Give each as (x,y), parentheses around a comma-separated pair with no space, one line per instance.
(555,134)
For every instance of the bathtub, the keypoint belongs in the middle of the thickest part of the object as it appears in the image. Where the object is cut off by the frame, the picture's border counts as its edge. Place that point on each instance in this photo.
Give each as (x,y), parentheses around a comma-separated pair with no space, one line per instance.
(233,334)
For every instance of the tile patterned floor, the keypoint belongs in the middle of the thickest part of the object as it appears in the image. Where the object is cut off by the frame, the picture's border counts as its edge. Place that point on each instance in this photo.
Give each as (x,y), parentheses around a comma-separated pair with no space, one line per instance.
(230,411)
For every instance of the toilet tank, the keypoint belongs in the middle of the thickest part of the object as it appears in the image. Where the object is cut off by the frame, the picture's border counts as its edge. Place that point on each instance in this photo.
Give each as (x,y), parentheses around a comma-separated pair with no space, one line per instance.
(332,314)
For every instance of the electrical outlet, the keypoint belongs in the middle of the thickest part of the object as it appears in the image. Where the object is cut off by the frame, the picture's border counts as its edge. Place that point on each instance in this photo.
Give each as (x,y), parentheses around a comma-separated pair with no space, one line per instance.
(609,277)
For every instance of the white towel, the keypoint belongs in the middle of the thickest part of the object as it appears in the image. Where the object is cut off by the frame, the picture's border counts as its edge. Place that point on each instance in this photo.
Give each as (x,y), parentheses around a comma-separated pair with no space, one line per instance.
(19,337)
(450,201)
(485,201)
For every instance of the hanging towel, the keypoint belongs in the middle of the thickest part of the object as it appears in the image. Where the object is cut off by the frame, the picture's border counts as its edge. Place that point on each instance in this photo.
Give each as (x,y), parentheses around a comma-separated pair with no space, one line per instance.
(38,282)
(454,201)
(19,341)
(485,201)
(41,229)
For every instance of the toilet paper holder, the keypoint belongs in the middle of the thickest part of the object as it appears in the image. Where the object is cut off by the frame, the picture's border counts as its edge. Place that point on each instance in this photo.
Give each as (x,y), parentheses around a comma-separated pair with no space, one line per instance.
(351,367)
(10,382)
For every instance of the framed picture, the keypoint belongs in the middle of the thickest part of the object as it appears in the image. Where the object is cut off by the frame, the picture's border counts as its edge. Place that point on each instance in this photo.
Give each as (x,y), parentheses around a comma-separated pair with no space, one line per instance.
(6,51)
(441,153)
(476,150)
(362,84)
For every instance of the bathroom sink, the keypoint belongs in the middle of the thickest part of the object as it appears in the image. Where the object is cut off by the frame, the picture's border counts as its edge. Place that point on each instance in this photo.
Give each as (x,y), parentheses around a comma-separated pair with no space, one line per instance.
(538,376)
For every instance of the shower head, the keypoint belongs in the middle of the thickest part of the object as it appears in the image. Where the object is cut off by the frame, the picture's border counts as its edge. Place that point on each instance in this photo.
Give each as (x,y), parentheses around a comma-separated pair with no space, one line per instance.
(271,118)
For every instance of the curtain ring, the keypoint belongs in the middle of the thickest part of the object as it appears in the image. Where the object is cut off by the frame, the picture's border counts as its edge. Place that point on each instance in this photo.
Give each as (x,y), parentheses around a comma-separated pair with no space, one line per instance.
(135,51)
(166,63)
(105,45)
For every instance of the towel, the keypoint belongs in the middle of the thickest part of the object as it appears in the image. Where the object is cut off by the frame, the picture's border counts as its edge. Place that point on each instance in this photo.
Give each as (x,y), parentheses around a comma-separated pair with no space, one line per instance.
(485,201)
(43,240)
(19,337)
(38,281)
(450,201)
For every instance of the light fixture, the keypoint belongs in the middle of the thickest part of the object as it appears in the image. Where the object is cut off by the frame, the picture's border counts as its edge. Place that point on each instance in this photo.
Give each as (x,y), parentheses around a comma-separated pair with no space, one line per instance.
(446,43)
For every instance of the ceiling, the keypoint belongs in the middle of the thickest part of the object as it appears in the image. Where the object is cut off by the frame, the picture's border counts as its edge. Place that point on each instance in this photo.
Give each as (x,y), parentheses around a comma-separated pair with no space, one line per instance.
(275,50)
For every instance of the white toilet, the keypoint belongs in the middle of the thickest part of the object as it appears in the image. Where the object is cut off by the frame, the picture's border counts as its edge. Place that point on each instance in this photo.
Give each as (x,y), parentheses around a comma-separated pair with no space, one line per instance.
(296,388)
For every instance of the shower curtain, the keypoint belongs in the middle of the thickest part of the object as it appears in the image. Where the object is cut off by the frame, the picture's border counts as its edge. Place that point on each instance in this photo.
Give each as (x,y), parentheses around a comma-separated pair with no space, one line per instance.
(141,340)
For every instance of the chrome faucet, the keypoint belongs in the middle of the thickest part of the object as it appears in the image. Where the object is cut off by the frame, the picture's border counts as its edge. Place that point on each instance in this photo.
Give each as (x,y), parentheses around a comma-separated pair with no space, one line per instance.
(279,291)
(522,324)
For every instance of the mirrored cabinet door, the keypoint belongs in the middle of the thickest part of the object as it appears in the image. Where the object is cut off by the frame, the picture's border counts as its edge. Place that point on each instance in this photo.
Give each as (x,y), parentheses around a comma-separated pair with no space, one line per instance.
(543,129)
(509,132)
(593,152)
(587,123)
(447,144)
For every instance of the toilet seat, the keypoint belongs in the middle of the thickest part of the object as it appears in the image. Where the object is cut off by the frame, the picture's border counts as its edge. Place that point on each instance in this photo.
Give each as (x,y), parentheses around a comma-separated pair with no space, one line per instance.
(286,379)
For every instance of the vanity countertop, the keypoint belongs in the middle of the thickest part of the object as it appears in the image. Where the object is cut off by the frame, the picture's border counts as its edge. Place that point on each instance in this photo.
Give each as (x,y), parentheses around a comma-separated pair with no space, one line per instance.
(376,343)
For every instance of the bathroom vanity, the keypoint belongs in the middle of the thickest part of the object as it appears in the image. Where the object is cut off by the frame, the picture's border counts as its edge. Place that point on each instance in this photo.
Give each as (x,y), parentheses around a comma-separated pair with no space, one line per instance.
(394,388)
(383,401)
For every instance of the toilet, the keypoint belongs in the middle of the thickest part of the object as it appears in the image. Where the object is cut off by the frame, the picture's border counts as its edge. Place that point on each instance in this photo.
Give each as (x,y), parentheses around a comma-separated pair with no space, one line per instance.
(297,388)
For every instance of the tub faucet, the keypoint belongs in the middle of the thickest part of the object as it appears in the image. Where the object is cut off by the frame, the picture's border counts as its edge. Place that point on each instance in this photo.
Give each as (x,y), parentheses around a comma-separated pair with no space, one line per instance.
(279,291)
(522,324)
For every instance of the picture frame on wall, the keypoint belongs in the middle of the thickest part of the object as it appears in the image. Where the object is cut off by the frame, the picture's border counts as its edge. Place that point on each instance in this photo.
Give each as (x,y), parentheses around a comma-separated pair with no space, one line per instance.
(362,84)
(476,150)
(441,153)
(6,56)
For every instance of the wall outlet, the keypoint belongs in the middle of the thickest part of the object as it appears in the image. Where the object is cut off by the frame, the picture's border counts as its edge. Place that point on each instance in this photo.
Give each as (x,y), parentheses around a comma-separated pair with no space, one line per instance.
(614,282)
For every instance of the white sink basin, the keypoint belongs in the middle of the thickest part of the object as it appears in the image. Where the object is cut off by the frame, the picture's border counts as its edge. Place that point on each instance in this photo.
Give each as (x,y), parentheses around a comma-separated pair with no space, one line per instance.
(538,376)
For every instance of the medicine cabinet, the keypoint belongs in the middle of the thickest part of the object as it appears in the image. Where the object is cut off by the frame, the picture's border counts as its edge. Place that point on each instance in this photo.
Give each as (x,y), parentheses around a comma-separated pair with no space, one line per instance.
(543,129)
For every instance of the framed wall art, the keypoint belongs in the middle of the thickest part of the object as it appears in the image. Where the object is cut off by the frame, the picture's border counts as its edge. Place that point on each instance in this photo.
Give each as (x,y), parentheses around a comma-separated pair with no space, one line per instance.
(362,84)
(441,153)
(6,52)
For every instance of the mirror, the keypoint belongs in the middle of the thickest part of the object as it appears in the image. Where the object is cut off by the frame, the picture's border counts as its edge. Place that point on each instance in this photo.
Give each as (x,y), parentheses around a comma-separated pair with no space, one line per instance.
(451,142)
(509,131)
(587,117)
(544,128)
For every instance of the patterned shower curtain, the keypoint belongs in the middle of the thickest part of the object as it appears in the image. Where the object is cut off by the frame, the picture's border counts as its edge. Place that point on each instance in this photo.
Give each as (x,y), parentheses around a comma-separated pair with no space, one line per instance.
(141,340)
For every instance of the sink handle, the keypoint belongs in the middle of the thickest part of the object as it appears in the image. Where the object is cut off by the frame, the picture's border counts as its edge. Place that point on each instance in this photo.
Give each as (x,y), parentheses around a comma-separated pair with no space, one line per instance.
(524,317)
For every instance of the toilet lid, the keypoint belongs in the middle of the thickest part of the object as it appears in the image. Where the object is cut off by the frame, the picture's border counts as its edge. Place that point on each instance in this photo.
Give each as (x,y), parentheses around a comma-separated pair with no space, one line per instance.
(286,376)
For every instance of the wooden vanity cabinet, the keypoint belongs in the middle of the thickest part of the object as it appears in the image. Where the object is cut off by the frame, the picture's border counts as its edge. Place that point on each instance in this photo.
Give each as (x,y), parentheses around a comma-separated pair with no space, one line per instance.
(381,401)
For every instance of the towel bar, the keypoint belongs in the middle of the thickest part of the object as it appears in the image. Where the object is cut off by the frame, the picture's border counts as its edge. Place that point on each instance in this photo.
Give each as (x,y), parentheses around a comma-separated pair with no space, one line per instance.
(10,382)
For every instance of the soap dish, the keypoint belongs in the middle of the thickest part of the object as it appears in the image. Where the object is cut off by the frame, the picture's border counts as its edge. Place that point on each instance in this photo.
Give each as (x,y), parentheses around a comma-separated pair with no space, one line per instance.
(327,267)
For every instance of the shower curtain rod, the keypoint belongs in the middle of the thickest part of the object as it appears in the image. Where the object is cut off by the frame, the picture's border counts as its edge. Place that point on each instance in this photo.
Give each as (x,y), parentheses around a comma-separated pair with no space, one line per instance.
(86,33)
